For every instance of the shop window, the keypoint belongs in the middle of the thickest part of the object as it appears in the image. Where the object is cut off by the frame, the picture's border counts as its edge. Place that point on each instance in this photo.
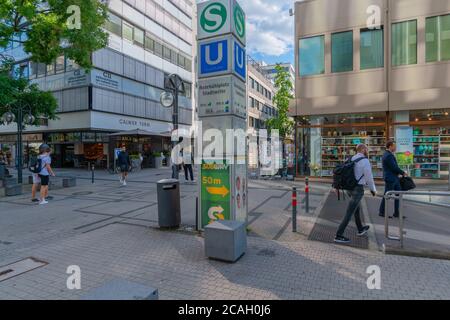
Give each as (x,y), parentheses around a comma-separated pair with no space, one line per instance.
(114,24)
(312,56)
(438,38)
(372,49)
(127,31)
(404,43)
(342,51)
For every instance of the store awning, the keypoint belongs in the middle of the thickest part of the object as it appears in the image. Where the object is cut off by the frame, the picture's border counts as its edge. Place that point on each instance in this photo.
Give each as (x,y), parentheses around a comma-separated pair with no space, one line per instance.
(140,133)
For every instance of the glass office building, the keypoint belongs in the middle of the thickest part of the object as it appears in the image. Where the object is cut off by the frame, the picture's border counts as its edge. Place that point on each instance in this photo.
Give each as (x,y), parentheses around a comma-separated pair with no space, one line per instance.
(149,40)
(359,83)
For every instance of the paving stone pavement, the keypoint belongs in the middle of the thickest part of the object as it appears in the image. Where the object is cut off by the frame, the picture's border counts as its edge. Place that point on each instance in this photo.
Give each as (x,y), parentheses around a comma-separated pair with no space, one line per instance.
(175,264)
(109,232)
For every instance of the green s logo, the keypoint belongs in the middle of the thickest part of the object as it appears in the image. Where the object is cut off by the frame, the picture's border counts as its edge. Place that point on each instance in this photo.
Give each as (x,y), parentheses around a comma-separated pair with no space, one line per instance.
(213,17)
(239,20)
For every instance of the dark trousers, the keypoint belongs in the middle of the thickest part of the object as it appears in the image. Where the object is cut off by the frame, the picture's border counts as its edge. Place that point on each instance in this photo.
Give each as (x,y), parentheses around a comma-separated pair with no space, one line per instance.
(391,186)
(353,209)
(188,168)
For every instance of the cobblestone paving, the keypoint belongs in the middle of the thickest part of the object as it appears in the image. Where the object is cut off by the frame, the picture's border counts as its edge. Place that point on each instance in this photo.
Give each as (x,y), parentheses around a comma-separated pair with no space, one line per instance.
(111,234)
(175,264)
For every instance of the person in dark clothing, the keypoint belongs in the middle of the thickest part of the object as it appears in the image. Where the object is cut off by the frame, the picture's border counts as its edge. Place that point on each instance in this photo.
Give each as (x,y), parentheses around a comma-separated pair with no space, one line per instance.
(124,163)
(187,164)
(391,173)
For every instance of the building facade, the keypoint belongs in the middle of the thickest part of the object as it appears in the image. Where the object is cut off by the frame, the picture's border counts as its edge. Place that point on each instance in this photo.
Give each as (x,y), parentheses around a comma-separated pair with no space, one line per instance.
(362,81)
(149,40)
(270,71)
(260,92)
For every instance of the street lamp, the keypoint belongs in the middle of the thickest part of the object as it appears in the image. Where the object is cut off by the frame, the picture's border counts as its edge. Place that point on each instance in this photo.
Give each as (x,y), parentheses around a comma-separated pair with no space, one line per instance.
(174,86)
(27,119)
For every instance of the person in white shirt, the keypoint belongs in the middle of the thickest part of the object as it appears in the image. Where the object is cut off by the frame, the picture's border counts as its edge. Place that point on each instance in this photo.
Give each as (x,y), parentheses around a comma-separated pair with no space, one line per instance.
(364,176)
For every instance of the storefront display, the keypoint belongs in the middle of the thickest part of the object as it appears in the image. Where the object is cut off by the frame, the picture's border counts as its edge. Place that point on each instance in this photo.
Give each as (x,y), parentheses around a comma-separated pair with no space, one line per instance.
(422,137)
(336,150)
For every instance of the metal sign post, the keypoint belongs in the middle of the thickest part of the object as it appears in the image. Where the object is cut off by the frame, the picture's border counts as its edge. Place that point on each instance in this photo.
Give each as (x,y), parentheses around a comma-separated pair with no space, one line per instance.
(222,105)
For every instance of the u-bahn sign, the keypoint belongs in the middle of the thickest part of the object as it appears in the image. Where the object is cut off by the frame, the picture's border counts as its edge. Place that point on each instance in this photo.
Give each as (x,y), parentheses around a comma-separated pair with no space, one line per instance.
(222,55)
(219,17)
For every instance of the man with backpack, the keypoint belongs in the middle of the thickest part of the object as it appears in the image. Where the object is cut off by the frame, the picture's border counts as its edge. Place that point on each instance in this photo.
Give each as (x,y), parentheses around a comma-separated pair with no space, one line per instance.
(352,177)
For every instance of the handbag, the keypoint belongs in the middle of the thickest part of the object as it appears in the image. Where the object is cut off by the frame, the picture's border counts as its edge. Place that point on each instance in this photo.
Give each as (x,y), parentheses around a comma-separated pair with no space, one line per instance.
(407,183)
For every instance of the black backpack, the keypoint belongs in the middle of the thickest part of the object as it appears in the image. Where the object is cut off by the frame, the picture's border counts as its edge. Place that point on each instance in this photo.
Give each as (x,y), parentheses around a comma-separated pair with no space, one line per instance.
(344,175)
(35,164)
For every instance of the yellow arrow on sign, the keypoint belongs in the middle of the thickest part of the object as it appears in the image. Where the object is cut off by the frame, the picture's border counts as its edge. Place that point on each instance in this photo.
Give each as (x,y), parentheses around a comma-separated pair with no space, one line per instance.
(221,191)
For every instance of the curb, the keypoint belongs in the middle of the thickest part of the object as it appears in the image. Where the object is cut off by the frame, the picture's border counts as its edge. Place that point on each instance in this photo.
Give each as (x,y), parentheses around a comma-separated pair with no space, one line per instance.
(437,255)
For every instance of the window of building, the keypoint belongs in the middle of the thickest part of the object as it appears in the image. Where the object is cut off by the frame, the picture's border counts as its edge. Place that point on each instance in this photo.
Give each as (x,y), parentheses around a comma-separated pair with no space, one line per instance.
(114,24)
(438,38)
(404,43)
(312,56)
(50,69)
(149,44)
(138,37)
(158,49)
(71,65)
(342,51)
(127,31)
(166,52)
(33,70)
(174,57)
(372,49)
(60,64)
(41,70)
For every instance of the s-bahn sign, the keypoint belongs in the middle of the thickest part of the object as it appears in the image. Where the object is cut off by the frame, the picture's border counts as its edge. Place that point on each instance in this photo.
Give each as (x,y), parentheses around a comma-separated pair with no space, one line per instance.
(221,17)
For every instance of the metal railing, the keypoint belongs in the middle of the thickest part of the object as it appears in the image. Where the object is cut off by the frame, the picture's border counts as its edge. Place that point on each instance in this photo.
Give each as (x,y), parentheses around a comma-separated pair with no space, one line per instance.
(399,195)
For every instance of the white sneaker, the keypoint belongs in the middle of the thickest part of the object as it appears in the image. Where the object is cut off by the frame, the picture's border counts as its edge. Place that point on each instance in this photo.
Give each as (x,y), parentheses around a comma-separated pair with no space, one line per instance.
(124,183)
(43,202)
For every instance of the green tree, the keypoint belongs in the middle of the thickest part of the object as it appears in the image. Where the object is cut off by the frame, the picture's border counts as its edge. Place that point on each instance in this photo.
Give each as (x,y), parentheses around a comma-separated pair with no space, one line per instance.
(282,122)
(18,92)
(48,29)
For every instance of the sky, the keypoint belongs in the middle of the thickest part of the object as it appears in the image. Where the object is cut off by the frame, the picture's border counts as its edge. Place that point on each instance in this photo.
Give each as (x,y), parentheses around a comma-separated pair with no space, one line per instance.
(270,30)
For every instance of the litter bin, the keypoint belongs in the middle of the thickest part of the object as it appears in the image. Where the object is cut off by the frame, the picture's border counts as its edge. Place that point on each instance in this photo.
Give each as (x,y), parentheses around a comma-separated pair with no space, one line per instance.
(169,215)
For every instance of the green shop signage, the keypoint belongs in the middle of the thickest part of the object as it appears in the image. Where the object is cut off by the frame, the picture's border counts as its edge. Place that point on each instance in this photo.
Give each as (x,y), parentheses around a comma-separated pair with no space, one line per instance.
(215,192)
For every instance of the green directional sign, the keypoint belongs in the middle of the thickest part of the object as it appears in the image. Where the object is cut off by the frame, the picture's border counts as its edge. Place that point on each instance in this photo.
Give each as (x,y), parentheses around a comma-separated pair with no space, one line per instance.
(213,17)
(215,192)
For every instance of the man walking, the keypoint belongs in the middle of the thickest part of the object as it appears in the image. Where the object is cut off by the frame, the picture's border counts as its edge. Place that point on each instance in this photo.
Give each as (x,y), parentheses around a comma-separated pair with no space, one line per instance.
(124,163)
(187,164)
(364,176)
(391,173)
(46,171)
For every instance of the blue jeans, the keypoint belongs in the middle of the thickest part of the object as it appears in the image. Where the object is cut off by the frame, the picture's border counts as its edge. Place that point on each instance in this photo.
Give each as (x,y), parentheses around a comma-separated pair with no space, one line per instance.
(353,209)
(391,186)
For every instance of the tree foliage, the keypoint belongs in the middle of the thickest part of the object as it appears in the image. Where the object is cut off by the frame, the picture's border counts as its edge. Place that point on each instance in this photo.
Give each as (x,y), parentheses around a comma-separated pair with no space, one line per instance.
(282,122)
(46,28)
(17,92)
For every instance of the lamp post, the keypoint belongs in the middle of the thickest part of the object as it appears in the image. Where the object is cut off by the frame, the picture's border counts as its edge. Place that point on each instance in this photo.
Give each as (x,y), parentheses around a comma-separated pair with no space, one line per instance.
(27,119)
(174,87)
